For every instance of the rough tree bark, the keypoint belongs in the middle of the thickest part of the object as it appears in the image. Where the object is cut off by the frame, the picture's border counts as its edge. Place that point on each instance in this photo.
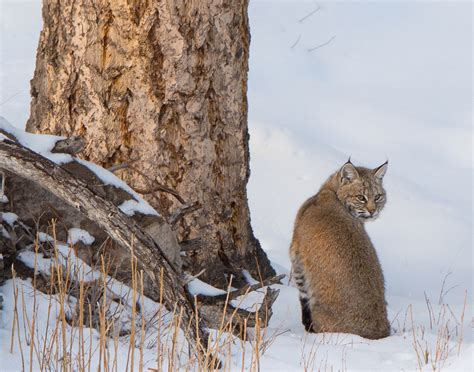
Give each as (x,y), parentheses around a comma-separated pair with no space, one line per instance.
(163,82)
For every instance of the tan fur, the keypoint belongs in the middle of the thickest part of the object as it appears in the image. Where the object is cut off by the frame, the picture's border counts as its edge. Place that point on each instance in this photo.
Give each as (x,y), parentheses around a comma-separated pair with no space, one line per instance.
(334,262)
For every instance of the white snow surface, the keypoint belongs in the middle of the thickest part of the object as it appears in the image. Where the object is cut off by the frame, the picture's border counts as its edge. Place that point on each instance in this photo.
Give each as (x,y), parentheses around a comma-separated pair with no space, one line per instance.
(250,280)
(198,287)
(32,260)
(129,207)
(9,217)
(75,235)
(43,237)
(250,302)
(395,81)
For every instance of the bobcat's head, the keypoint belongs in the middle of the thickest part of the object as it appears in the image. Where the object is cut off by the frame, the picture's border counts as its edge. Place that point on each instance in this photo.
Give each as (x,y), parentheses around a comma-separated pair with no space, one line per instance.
(360,190)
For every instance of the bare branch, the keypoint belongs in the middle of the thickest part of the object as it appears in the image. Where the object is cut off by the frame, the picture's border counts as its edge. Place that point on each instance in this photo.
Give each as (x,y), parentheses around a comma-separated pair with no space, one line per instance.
(12,96)
(156,187)
(296,42)
(182,211)
(309,14)
(117,167)
(323,44)
(190,278)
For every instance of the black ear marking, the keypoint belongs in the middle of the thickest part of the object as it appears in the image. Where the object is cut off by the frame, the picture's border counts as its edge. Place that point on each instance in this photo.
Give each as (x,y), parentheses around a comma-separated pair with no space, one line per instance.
(380,171)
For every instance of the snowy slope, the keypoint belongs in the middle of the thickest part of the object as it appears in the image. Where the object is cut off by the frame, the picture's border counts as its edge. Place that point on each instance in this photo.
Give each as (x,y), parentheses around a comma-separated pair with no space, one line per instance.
(393,82)
(381,89)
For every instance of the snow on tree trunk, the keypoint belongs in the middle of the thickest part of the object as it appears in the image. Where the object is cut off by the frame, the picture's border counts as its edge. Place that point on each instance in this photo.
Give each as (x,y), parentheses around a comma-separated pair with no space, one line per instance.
(163,82)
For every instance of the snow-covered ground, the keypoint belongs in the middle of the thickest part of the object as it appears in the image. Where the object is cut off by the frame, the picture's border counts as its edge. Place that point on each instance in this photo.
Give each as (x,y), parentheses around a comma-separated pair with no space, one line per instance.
(394,80)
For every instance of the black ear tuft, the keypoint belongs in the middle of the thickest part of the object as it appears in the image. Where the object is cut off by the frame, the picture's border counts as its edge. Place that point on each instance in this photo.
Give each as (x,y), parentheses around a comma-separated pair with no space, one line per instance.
(380,171)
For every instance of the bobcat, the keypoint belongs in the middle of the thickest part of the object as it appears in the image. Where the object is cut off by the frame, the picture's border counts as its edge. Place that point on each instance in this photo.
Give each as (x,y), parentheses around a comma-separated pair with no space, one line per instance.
(335,266)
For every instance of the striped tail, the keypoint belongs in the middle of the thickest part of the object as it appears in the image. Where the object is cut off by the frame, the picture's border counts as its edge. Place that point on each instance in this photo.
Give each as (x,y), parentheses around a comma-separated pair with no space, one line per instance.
(304,298)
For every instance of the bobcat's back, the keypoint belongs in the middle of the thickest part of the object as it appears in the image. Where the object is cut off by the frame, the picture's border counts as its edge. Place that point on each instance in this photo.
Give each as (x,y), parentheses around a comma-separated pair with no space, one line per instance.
(336,267)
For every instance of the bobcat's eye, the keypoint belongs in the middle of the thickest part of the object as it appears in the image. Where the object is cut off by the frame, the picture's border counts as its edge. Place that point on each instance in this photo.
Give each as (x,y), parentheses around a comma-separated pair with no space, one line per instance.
(361,198)
(378,197)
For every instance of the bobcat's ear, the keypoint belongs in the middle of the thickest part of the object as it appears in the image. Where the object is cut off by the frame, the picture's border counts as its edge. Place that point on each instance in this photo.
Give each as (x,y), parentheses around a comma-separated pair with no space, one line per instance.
(348,173)
(379,172)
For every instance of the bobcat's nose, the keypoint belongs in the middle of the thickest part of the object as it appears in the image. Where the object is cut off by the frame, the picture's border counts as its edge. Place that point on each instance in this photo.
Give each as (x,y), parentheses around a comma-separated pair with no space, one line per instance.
(371,209)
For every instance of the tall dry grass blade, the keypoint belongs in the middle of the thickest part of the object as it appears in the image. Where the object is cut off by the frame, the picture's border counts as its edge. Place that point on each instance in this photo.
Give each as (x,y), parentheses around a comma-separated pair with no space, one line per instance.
(160,321)
(461,334)
(89,359)
(32,328)
(132,325)
(81,323)
(16,319)
(243,344)
(415,341)
(142,338)
(175,336)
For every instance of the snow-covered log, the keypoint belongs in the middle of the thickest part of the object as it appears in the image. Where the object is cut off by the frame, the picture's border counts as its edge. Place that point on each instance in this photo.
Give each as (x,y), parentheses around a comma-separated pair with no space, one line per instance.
(101,215)
(33,168)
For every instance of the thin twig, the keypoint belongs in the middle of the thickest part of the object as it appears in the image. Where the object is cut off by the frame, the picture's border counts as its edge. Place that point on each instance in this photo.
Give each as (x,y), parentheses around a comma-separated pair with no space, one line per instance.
(182,211)
(322,45)
(309,14)
(441,293)
(190,278)
(156,187)
(116,167)
(296,42)
(12,96)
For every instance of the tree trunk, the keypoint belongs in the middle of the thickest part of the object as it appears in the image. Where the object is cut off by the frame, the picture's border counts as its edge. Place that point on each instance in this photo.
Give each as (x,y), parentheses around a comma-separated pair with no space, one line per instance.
(163,82)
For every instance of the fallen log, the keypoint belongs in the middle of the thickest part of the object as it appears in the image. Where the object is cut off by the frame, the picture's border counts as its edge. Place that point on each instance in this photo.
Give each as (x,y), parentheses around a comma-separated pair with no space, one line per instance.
(74,194)
(240,292)
(220,313)
(235,319)
(34,167)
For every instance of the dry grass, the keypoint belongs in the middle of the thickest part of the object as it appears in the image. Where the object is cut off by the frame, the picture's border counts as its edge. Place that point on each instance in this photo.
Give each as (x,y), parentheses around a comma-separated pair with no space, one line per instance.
(448,329)
(91,322)
(89,326)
